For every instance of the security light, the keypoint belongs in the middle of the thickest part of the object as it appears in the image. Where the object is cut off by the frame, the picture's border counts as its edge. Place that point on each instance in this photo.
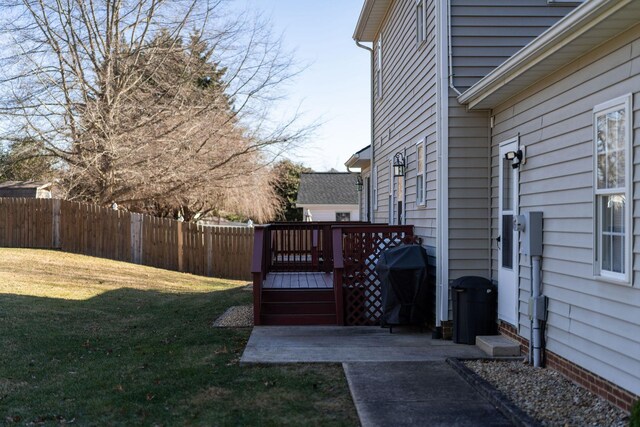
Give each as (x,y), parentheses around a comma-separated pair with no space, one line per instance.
(515,157)
(398,165)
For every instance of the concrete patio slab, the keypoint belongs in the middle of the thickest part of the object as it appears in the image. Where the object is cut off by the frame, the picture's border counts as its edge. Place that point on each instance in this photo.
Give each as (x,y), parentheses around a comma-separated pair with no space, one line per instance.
(417,393)
(291,344)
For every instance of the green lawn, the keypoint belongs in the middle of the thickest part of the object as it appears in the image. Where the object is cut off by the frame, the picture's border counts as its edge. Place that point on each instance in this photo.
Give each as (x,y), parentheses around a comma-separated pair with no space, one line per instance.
(97,342)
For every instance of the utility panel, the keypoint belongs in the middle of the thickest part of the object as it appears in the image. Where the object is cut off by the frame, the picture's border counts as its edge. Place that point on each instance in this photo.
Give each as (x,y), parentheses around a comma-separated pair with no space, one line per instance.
(530,227)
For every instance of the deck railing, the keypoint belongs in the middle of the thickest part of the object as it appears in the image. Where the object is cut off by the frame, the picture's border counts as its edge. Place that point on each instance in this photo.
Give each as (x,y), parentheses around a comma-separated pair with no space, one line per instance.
(301,246)
(349,250)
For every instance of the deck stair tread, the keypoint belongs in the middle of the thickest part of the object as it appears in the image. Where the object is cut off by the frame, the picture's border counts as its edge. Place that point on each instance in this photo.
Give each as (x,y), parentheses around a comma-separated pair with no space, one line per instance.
(299,319)
(305,298)
(305,307)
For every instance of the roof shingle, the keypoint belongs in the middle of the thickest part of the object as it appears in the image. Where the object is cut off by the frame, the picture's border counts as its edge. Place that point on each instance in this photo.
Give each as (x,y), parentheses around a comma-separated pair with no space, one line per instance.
(327,188)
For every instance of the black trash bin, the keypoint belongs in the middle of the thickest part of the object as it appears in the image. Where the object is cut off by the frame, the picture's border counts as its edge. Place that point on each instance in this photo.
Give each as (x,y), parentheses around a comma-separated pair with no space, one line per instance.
(474,309)
(406,295)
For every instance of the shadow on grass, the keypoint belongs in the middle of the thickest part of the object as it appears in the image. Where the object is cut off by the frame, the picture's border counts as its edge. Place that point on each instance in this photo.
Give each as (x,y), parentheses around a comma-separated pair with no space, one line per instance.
(130,357)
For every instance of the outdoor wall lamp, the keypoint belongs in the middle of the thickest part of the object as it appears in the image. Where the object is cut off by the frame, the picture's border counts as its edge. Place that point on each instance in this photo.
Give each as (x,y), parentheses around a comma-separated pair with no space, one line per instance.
(515,157)
(359,182)
(398,164)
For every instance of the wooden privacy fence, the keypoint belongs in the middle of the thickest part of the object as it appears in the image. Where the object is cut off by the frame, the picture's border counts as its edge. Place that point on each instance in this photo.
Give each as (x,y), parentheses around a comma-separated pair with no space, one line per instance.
(142,239)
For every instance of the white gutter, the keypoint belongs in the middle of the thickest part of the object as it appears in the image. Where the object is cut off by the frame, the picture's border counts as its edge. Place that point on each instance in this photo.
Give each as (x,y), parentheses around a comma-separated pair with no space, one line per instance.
(371,183)
(450,49)
(442,187)
(565,31)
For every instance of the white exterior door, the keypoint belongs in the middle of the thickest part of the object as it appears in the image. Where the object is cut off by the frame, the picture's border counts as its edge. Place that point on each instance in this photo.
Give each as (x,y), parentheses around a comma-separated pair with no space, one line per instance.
(508,239)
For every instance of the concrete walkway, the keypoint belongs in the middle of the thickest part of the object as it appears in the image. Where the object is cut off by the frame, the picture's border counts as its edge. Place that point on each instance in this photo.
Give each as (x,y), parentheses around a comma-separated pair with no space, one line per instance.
(291,344)
(417,394)
(398,379)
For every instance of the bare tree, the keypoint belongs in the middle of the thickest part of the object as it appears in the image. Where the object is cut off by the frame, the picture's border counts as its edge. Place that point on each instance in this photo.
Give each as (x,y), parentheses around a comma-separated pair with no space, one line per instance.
(148,103)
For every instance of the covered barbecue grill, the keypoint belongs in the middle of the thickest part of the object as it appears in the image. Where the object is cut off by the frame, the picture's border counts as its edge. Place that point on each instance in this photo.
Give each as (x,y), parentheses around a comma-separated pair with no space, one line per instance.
(406,296)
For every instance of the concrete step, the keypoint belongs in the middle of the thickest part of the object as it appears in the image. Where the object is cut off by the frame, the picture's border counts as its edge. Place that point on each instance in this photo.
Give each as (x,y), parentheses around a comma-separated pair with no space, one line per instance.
(498,345)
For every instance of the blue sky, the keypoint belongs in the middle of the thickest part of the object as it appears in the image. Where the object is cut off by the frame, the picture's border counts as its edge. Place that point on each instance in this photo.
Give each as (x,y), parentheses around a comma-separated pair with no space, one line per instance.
(334,88)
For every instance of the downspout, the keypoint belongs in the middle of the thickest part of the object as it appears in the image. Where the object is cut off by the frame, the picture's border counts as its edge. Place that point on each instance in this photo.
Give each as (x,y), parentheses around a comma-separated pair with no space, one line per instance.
(442,137)
(536,330)
(370,213)
(450,49)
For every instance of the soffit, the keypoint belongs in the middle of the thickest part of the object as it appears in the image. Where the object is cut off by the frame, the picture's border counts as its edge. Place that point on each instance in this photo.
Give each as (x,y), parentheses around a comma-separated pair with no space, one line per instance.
(370,20)
(361,159)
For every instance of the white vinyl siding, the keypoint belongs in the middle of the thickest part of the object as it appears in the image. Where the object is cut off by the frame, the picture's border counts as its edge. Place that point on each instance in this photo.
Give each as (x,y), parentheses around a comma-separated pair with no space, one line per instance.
(592,322)
(408,114)
(612,145)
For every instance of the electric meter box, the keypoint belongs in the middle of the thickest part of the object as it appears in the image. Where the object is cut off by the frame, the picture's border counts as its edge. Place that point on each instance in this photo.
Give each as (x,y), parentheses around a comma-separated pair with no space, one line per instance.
(530,227)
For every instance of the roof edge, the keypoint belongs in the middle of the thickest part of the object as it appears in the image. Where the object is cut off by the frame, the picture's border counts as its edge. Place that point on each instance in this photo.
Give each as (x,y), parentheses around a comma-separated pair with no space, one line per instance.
(371,18)
(363,19)
(565,31)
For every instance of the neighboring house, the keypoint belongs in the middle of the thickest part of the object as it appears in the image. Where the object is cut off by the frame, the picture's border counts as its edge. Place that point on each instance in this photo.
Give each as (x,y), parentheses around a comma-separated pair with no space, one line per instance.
(562,97)
(328,196)
(29,189)
(362,160)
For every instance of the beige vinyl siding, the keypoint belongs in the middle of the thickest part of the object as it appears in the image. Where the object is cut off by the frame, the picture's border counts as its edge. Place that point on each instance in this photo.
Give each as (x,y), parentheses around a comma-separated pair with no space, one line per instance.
(593,323)
(468,192)
(407,113)
(485,33)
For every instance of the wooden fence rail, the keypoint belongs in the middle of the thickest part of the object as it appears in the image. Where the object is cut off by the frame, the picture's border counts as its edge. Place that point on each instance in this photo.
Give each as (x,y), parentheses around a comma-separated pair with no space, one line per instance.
(142,239)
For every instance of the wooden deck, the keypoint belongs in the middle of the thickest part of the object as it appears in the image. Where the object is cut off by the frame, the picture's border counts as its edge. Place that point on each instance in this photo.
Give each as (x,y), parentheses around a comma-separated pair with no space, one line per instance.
(298,280)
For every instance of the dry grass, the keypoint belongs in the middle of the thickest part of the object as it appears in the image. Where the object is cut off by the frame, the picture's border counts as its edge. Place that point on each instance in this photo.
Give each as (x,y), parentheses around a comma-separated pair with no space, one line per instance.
(69,276)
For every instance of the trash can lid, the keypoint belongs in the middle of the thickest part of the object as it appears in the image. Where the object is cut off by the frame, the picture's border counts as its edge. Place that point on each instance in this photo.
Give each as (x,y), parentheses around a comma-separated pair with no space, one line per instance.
(471,282)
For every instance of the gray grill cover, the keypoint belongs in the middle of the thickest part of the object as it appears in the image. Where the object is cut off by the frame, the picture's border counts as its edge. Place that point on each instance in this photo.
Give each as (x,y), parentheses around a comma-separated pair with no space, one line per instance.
(403,272)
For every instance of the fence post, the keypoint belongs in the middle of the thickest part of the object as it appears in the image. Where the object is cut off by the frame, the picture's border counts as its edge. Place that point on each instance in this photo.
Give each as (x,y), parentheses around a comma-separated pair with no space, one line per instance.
(136,238)
(209,245)
(180,247)
(55,224)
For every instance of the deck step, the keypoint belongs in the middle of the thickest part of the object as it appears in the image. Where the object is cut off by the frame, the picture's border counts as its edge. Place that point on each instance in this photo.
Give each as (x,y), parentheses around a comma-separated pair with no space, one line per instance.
(498,345)
(307,307)
(298,319)
(297,295)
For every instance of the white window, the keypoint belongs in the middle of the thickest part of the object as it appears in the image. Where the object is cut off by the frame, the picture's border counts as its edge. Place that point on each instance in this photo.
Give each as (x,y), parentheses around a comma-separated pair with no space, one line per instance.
(612,154)
(375,187)
(343,216)
(421,21)
(392,182)
(420,174)
(378,70)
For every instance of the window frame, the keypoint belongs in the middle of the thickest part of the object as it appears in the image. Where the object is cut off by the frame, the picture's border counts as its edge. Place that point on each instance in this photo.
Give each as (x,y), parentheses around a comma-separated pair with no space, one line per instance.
(421,196)
(421,21)
(378,67)
(624,103)
(374,178)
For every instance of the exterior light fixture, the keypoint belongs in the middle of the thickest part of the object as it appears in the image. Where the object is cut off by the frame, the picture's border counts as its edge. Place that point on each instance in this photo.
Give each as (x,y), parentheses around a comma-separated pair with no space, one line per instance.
(359,182)
(515,157)
(398,164)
